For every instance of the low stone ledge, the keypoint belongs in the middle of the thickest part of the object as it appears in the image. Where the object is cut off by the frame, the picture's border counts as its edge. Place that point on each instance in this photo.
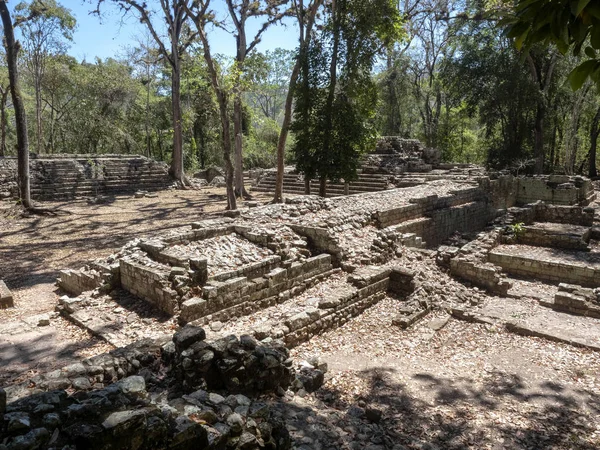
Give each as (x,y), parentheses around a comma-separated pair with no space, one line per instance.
(486,275)
(365,276)
(547,265)
(576,300)
(405,321)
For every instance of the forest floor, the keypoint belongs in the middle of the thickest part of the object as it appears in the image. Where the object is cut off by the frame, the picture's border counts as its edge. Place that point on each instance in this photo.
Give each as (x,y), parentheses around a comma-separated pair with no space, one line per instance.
(33,249)
(443,384)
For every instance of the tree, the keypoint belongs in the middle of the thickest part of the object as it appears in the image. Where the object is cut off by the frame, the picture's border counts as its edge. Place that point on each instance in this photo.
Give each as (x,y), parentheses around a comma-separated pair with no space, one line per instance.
(45,26)
(568,24)
(269,75)
(12,55)
(4,93)
(488,76)
(202,16)
(240,11)
(594,132)
(147,57)
(306,20)
(180,37)
(337,97)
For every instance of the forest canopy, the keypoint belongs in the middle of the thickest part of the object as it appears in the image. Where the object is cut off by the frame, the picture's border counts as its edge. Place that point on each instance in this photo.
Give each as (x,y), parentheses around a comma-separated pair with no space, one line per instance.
(485,83)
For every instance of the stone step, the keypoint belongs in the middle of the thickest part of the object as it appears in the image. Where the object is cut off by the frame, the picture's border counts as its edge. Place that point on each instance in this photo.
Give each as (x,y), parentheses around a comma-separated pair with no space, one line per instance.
(360,181)
(363,187)
(73,180)
(324,306)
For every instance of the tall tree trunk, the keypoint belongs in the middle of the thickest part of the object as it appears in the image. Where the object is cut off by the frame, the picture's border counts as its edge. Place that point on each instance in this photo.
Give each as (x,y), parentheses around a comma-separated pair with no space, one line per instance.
(305,34)
(283,134)
(337,16)
(12,53)
(538,147)
(594,132)
(176,169)
(240,190)
(3,122)
(224,116)
(38,114)
(147,124)
(307,185)
(323,186)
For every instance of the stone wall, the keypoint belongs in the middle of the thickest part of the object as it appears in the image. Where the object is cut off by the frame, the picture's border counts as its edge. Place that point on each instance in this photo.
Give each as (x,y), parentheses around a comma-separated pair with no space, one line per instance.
(471,262)
(547,265)
(67,176)
(150,283)
(575,299)
(223,300)
(109,404)
(554,189)
(8,178)
(90,277)
(555,235)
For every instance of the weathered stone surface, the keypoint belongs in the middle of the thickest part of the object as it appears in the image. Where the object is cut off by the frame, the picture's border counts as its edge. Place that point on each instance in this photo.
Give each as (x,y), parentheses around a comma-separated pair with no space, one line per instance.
(188,335)
(6,297)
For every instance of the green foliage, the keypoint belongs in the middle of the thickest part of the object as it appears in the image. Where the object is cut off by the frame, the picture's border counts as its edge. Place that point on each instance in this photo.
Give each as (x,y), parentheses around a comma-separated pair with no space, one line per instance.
(487,77)
(335,107)
(569,24)
(517,229)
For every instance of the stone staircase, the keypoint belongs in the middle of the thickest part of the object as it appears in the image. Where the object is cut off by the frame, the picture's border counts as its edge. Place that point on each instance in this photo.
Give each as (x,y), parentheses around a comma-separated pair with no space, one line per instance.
(61,178)
(294,184)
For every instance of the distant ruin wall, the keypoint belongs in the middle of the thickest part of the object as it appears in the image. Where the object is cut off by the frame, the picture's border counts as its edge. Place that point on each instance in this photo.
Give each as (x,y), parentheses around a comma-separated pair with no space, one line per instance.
(58,177)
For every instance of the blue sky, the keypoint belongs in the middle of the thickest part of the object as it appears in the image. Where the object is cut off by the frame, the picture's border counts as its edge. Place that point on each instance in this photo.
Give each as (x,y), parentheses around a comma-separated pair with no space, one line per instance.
(109,36)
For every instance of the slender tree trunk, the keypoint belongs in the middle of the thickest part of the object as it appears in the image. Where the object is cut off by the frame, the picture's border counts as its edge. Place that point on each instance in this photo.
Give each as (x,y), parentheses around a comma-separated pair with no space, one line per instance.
(148,139)
(307,185)
(38,113)
(3,100)
(305,33)
(12,54)
(322,186)
(595,131)
(224,116)
(226,135)
(240,190)
(538,148)
(285,126)
(337,13)
(553,148)
(176,169)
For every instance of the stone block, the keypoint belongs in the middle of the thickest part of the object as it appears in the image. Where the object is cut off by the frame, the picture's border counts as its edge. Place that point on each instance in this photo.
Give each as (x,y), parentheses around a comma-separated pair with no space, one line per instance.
(6,296)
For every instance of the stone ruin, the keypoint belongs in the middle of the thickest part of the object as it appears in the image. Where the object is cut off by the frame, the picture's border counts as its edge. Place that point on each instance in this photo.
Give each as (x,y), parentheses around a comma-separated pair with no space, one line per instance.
(395,162)
(60,177)
(257,276)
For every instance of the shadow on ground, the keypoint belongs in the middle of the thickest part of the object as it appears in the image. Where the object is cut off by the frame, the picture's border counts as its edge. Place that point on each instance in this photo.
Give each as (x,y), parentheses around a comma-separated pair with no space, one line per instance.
(503,413)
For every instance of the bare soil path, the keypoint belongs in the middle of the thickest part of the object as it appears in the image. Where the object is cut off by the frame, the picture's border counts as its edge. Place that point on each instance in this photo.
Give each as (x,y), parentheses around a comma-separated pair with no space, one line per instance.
(33,249)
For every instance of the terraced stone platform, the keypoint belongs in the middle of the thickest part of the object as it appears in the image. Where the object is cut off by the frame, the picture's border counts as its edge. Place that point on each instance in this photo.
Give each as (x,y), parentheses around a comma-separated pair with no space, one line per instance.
(555,265)
(60,177)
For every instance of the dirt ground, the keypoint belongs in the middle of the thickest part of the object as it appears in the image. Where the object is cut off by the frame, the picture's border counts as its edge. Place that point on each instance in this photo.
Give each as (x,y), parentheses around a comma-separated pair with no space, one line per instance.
(460,386)
(33,249)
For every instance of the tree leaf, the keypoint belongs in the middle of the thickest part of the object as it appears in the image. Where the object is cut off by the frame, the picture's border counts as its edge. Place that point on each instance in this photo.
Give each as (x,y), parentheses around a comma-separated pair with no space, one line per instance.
(578,5)
(595,37)
(590,52)
(580,73)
